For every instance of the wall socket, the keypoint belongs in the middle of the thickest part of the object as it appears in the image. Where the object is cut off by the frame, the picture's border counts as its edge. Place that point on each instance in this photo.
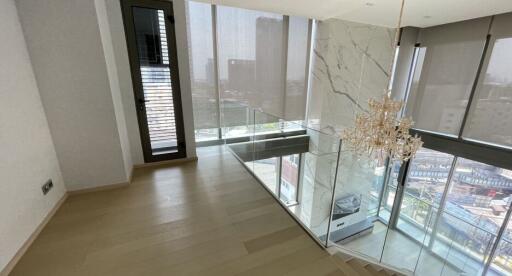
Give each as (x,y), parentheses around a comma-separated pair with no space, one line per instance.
(47,186)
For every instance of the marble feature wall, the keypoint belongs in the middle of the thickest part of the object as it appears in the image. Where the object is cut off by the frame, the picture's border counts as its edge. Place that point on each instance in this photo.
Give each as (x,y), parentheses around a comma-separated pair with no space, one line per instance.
(351,63)
(316,185)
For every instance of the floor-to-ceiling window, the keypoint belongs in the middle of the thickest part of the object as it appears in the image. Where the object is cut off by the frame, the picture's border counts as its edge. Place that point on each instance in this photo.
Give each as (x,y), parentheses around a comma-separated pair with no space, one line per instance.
(202,71)
(456,193)
(245,58)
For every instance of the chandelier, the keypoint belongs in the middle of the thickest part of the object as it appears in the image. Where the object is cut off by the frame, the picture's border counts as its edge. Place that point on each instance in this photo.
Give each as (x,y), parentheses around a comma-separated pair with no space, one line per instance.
(379,133)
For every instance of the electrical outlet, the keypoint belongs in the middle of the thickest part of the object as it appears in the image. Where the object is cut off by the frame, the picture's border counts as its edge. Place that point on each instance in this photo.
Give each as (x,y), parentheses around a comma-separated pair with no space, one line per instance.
(47,186)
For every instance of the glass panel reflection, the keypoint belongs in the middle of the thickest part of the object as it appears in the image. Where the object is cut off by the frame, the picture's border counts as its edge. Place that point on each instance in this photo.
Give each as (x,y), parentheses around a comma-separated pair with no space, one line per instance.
(424,187)
(289,178)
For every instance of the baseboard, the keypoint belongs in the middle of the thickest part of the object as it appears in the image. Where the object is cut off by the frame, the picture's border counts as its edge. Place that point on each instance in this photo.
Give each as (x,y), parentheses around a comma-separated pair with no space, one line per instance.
(167,162)
(12,263)
(130,177)
(98,188)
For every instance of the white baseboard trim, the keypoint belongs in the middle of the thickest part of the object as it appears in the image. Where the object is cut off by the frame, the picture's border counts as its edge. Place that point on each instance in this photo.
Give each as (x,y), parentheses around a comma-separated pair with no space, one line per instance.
(98,188)
(15,259)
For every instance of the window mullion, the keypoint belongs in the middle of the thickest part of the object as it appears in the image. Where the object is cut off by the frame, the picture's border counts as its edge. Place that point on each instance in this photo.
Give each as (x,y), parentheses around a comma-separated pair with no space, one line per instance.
(475,85)
(216,68)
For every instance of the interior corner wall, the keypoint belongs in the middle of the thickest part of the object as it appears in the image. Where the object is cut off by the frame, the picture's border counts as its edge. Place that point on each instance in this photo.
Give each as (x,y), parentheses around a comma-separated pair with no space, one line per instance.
(65,48)
(115,21)
(110,59)
(28,157)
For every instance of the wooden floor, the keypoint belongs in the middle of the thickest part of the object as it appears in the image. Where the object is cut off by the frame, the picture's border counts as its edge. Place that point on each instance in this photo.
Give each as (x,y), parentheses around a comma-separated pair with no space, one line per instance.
(206,218)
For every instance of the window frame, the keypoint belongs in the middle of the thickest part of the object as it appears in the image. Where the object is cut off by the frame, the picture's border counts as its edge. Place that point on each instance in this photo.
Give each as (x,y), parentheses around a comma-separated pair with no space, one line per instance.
(458,146)
(221,139)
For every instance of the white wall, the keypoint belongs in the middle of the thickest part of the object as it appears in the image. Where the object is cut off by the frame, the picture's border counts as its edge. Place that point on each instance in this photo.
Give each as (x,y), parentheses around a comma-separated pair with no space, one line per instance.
(67,55)
(110,59)
(184,70)
(115,20)
(27,154)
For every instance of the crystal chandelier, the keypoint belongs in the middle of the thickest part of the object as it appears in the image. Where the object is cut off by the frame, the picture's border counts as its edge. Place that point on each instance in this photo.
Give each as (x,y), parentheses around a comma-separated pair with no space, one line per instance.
(380,133)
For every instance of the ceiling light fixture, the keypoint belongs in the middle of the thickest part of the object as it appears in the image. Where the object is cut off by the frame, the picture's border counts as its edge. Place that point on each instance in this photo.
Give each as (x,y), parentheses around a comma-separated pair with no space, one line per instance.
(380,134)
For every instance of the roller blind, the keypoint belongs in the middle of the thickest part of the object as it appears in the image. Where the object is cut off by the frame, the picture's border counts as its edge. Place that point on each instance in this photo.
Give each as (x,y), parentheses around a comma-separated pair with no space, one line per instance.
(261,62)
(250,54)
(448,59)
(490,115)
(202,70)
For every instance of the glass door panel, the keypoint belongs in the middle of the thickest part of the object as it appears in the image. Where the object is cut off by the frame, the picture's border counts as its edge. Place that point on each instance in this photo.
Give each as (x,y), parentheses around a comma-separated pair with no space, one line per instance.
(267,170)
(153,59)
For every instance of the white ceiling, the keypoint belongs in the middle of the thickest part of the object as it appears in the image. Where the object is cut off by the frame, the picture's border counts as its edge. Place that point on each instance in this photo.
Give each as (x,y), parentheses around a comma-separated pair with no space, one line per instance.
(419,13)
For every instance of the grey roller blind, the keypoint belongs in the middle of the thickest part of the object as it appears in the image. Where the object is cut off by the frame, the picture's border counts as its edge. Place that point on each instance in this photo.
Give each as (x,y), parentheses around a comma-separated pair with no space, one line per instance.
(296,69)
(250,55)
(202,69)
(448,60)
(490,115)
(261,62)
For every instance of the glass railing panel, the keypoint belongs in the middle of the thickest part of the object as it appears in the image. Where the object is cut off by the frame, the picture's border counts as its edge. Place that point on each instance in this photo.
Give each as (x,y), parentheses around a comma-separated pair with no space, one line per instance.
(431,263)
(297,165)
(402,250)
(353,224)
(238,130)
(376,191)
(415,217)
(317,176)
(237,120)
(267,170)
(389,192)
(267,163)
(290,177)
(267,124)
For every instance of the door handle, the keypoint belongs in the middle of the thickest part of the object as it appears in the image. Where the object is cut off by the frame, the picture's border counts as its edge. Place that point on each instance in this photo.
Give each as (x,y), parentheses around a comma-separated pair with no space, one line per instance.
(142,104)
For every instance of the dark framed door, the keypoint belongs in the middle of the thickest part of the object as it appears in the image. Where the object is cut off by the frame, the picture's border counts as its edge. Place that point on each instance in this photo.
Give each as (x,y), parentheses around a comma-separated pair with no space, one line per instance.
(151,40)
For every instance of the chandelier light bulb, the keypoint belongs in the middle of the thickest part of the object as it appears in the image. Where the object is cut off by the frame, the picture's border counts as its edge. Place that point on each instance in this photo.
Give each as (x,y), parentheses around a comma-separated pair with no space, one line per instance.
(381,134)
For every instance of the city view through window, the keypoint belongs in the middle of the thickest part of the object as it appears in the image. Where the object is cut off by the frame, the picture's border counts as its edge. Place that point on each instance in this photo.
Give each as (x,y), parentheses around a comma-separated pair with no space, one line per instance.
(456,206)
(241,57)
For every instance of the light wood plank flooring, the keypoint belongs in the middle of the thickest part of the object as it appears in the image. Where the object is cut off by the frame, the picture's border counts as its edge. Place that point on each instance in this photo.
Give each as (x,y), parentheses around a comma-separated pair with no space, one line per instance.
(206,218)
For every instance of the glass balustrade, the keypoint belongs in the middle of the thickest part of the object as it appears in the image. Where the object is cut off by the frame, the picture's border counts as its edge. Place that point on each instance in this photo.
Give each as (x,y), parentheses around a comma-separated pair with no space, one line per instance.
(296,164)
(419,219)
